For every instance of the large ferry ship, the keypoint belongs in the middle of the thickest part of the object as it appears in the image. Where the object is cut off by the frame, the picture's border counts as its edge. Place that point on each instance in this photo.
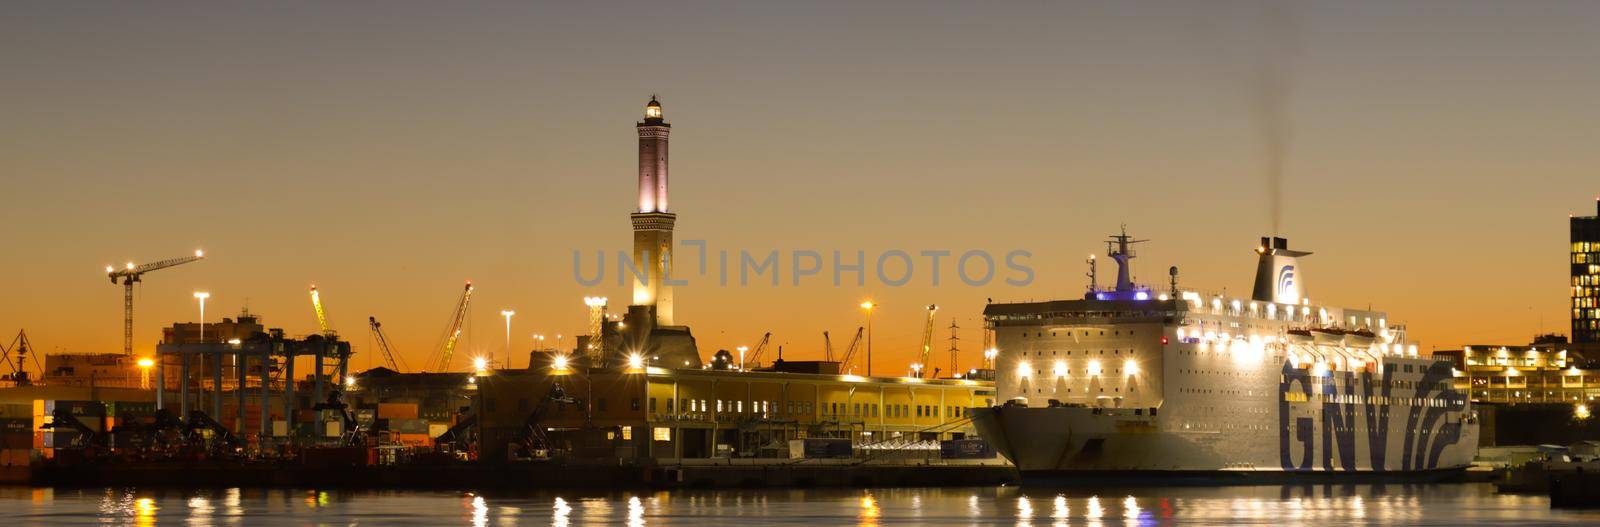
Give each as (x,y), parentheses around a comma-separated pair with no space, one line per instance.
(1132,381)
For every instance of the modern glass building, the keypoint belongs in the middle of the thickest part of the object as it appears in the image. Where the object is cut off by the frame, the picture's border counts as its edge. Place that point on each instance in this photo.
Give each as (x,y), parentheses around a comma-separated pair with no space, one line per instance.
(1586,281)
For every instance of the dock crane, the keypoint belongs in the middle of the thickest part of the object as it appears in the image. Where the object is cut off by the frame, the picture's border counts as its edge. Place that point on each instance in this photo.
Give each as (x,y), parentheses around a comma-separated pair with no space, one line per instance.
(927,340)
(133,274)
(850,351)
(452,332)
(383,345)
(322,317)
(328,334)
(755,354)
(827,348)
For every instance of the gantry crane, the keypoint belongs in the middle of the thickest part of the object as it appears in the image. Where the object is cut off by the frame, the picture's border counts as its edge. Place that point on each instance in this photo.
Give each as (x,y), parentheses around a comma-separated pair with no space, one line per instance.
(927,341)
(452,332)
(850,351)
(132,274)
(383,345)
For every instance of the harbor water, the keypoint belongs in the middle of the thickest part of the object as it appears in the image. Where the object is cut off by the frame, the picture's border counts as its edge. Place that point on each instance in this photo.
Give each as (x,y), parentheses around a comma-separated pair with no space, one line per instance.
(1322,505)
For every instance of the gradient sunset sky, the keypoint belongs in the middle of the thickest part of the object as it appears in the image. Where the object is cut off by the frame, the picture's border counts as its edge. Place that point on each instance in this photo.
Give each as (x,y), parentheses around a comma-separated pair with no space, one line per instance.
(387,151)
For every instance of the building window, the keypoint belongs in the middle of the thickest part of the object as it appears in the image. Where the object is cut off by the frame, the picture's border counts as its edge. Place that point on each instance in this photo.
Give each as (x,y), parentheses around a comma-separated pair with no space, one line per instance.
(661,433)
(601,404)
(652,405)
(627,433)
(633,404)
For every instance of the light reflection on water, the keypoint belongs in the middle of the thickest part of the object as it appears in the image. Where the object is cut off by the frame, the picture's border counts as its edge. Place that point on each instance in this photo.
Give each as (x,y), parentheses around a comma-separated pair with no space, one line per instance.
(1309,504)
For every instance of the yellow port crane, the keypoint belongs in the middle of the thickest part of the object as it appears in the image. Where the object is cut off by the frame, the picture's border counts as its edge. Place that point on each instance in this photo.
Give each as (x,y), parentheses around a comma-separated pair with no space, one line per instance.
(132,274)
(927,341)
(322,317)
(329,336)
(383,345)
(452,332)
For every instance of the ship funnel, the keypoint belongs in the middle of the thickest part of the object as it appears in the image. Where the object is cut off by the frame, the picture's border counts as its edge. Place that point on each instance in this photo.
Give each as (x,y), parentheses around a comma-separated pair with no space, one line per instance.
(1279,278)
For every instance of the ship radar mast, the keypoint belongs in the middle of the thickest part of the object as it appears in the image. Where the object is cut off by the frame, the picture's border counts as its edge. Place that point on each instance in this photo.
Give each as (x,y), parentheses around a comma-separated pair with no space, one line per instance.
(1120,248)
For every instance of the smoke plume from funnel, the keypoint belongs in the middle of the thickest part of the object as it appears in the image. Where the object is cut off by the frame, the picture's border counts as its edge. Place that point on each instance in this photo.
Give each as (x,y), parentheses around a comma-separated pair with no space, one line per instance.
(1275,46)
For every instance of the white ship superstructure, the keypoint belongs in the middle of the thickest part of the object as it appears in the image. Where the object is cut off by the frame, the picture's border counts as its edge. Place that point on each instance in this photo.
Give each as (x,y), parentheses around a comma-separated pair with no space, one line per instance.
(1135,380)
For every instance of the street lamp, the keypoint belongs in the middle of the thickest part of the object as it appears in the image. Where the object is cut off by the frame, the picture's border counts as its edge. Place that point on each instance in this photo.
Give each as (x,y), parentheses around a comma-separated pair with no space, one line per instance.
(916,370)
(507,313)
(868,305)
(988,357)
(742,349)
(202,296)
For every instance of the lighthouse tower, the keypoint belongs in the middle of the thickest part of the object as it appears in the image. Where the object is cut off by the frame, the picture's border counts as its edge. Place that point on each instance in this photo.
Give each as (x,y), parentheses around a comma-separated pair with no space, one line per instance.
(652,223)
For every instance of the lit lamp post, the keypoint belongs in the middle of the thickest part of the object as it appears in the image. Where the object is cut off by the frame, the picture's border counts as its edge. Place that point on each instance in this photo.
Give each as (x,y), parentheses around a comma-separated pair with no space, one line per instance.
(507,313)
(742,349)
(916,370)
(988,357)
(868,305)
(202,296)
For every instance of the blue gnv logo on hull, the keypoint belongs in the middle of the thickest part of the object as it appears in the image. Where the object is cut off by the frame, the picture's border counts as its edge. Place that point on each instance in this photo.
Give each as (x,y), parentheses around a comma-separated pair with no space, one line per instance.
(1427,429)
(1286,278)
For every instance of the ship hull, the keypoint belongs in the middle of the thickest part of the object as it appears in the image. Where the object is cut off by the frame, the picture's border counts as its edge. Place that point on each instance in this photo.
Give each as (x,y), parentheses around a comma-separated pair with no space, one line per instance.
(1098,446)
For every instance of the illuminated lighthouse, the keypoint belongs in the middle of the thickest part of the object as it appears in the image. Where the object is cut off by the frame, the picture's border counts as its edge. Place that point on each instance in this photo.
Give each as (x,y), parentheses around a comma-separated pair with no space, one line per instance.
(652,223)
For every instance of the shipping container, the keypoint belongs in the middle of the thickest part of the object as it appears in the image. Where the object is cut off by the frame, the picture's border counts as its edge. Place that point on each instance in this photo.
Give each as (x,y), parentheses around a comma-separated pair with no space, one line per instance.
(59,439)
(16,424)
(421,440)
(397,410)
(79,408)
(16,411)
(409,426)
(16,457)
(129,409)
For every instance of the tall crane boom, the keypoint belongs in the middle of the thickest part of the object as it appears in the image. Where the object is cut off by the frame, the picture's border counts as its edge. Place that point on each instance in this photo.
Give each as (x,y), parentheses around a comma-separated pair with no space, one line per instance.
(133,274)
(927,340)
(322,317)
(453,331)
(850,351)
(383,345)
(755,355)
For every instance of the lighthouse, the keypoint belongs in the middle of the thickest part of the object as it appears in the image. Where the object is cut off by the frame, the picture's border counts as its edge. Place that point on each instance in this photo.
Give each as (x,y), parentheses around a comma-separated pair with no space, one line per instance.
(652,222)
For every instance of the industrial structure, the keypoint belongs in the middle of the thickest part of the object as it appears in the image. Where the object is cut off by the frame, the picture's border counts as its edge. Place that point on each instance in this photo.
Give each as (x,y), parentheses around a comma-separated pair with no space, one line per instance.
(638,412)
